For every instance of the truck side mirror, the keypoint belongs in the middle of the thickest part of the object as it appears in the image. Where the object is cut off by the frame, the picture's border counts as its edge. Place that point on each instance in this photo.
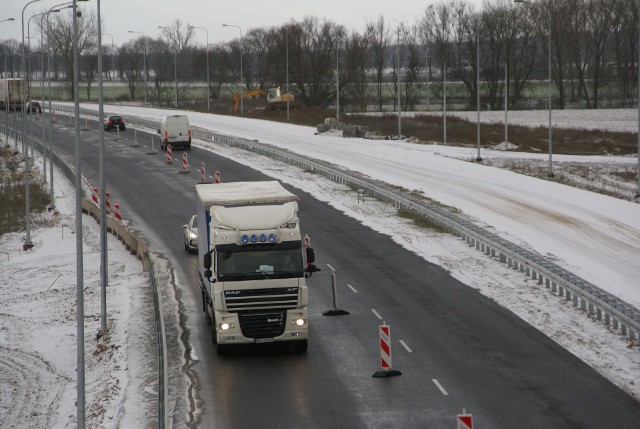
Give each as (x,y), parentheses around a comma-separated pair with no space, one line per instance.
(208,274)
(311,255)
(207,261)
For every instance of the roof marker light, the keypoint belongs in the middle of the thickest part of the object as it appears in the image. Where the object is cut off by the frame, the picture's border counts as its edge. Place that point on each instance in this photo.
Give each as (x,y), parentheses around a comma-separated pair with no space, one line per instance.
(245,238)
(254,238)
(272,238)
(263,237)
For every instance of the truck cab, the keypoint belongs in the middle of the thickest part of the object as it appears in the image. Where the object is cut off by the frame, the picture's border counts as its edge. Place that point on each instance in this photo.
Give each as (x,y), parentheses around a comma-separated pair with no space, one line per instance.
(253,264)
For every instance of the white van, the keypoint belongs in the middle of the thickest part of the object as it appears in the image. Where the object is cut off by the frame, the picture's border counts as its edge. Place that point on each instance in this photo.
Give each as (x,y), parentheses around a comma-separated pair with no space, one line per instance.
(175,131)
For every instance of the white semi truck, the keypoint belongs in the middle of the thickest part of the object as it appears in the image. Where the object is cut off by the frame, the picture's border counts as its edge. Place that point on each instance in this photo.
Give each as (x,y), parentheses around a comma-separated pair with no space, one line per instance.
(253,262)
(10,90)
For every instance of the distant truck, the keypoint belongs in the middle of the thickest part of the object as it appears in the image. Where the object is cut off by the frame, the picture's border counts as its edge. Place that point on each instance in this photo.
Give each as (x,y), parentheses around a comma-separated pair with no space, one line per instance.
(10,94)
(253,262)
(175,131)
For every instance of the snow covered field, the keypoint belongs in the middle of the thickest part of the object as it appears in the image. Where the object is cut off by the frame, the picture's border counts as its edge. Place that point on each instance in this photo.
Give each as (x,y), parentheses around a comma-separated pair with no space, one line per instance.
(551,218)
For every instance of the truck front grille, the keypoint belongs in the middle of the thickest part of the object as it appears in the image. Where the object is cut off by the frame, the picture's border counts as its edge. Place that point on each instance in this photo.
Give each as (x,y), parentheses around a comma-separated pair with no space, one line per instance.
(255,299)
(263,325)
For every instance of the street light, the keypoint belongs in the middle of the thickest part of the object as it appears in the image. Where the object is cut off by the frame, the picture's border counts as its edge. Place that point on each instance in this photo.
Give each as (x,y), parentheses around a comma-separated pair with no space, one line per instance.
(241,83)
(202,28)
(6,105)
(175,68)
(27,244)
(144,59)
(550,172)
(113,67)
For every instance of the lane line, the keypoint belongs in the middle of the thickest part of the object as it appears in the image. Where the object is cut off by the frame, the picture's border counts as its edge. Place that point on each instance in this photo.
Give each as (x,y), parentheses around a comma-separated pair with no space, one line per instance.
(406,346)
(331,268)
(352,288)
(376,313)
(439,386)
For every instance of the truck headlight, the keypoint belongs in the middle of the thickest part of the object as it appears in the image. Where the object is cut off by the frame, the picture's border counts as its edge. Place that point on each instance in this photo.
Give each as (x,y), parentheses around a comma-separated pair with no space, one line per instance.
(225,326)
(299,322)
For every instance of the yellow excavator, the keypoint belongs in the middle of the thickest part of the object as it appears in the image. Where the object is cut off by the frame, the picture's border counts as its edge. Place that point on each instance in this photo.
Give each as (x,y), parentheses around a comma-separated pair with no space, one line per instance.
(275,98)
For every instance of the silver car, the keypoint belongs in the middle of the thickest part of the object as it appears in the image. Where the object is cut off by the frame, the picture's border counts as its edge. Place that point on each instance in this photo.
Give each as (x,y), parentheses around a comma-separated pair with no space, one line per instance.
(191,235)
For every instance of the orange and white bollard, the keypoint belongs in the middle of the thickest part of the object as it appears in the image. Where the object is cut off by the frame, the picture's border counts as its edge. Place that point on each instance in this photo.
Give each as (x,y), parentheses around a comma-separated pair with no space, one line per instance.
(116,212)
(37,113)
(169,154)
(185,164)
(94,196)
(53,116)
(217,176)
(385,353)
(107,201)
(202,175)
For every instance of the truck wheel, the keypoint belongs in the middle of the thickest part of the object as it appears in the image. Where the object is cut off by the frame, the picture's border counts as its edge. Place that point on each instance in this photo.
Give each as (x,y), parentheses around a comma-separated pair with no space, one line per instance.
(300,346)
(222,350)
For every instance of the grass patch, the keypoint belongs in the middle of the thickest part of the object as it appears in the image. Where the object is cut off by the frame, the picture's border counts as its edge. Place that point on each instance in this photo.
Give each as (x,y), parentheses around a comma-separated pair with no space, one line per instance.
(421,222)
(13,192)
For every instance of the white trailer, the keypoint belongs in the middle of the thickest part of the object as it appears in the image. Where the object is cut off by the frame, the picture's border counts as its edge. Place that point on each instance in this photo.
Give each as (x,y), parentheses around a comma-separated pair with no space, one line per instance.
(10,94)
(253,263)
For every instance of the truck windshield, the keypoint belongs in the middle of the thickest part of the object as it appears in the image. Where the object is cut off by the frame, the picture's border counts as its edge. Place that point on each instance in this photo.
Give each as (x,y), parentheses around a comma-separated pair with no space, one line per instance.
(260,264)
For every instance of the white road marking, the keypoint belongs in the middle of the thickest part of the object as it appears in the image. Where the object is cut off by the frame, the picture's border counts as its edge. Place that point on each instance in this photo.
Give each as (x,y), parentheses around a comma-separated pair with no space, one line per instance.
(352,288)
(439,386)
(376,313)
(406,346)
(331,268)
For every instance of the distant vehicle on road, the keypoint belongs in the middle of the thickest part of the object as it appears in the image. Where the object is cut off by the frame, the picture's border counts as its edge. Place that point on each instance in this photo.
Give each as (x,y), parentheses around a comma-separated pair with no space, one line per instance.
(112,122)
(33,107)
(175,131)
(191,235)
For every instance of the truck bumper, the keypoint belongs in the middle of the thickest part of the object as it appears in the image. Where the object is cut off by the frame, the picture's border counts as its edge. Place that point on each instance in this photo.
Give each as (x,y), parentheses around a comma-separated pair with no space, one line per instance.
(235,334)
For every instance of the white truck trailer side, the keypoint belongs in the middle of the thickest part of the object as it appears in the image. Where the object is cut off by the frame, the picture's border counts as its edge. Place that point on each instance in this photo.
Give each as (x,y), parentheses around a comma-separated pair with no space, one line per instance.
(10,97)
(253,264)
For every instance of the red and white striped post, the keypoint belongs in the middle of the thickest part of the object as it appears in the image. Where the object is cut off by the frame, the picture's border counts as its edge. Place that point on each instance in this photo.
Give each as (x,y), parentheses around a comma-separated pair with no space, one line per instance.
(94,196)
(385,353)
(169,154)
(116,212)
(185,164)
(107,202)
(53,116)
(464,420)
(202,174)
(217,176)
(37,113)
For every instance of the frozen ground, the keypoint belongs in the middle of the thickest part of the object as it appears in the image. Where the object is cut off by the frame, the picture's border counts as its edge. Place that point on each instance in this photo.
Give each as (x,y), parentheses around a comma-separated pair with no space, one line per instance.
(37,287)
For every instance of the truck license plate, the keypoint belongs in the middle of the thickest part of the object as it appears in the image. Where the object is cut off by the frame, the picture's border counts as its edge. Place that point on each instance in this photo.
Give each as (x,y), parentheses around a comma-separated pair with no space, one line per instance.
(263,340)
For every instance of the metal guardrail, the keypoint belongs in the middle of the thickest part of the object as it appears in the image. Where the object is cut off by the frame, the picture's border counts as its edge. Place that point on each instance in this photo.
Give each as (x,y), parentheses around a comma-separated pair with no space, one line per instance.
(612,311)
(136,247)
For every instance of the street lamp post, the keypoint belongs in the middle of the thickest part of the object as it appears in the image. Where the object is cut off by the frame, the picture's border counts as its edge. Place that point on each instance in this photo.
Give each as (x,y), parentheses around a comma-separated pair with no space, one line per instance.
(175,69)
(144,59)
(478,157)
(6,100)
(241,80)
(550,171)
(338,80)
(399,105)
(27,244)
(113,68)
(206,31)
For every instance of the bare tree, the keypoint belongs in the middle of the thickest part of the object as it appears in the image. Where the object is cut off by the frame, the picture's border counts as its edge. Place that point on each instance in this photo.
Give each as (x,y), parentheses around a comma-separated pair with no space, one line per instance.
(314,60)
(378,34)
(61,37)
(354,71)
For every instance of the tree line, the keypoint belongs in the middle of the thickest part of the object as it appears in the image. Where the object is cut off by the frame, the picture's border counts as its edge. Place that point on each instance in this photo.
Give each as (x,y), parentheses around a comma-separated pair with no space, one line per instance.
(590,46)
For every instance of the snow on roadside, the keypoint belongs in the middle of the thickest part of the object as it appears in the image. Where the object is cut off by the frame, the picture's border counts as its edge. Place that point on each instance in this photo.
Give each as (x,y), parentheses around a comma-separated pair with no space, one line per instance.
(38,323)
(588,339)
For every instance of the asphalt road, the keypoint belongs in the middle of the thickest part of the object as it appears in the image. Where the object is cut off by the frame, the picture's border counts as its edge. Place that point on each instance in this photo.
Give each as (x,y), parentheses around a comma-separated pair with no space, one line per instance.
(455,348)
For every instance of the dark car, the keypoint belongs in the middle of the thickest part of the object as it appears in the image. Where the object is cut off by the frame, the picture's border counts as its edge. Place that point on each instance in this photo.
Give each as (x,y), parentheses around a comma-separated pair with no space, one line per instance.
(33,107)
(112,122)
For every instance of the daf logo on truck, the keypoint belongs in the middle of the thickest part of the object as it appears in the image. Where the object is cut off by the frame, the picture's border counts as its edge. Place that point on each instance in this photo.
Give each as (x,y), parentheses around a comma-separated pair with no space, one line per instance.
(253,264)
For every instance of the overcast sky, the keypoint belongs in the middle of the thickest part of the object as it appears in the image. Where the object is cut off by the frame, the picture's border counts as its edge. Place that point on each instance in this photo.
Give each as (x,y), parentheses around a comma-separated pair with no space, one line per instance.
(120,16)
